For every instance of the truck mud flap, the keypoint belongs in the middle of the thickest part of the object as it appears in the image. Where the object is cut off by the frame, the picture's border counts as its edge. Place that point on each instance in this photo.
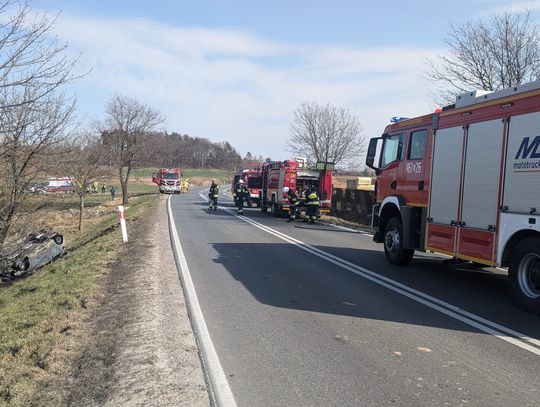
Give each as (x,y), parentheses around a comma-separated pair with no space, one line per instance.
(411,218)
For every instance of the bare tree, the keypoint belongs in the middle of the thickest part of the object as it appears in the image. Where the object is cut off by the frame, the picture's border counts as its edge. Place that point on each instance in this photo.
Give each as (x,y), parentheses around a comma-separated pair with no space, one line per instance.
(497,53)
(325,133)
(86,162)
(29,137)
(34,111)
(127,121)
(30,55)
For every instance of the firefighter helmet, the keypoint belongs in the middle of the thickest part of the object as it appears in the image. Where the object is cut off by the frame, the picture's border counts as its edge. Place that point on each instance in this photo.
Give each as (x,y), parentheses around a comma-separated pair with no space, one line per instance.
(241,181)
(285,190)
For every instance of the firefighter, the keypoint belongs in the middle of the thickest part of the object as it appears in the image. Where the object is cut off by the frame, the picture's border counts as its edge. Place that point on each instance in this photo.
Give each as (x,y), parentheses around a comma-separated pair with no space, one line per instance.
(213,195)
(294,201)
(185,186)
(312,205)
(240,193)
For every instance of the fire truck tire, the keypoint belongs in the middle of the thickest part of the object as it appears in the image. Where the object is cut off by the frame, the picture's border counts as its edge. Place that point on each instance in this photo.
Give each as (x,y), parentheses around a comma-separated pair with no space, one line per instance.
(524,275)
(393,243)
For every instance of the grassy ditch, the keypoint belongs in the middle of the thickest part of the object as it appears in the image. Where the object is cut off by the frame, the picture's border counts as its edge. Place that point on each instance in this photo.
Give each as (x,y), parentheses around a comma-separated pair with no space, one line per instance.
(42,318)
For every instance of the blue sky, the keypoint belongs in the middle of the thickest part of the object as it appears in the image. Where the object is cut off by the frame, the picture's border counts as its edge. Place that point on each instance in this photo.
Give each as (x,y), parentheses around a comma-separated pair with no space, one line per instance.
(236,70)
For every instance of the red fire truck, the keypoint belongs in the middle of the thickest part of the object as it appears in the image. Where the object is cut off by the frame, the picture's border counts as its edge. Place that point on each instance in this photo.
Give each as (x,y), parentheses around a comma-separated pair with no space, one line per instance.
(168,180)
(253,180)
(465,181)
(295,175)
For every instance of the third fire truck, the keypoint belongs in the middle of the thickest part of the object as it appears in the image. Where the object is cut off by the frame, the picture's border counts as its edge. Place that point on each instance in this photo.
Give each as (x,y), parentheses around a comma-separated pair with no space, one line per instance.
(465,182)
(168,180)
(296,175)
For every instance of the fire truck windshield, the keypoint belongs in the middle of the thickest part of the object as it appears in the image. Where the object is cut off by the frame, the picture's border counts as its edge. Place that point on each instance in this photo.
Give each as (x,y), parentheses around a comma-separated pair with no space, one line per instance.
(254,182)
(169,175)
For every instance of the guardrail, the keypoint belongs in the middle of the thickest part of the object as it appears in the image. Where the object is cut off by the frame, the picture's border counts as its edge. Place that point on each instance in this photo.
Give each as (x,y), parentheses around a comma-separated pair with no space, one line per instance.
(353,205)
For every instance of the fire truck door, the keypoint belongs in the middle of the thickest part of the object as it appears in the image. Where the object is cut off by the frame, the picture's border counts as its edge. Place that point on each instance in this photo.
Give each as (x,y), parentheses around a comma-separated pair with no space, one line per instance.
(444,190)
(414,184)
(391,165)
(480,191)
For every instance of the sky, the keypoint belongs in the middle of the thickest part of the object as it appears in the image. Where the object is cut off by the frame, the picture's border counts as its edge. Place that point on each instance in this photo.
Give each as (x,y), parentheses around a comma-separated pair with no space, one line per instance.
(235,70)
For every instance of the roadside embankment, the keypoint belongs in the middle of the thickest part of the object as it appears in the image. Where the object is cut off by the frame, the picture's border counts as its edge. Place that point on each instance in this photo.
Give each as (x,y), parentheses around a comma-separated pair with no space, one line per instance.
(104,325)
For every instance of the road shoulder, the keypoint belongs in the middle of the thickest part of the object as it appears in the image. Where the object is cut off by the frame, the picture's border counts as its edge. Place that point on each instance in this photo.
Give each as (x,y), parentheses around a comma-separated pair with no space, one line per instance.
(143,351)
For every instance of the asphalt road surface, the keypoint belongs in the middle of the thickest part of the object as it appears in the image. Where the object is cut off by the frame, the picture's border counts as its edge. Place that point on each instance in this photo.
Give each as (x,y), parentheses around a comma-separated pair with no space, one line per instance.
(313,315)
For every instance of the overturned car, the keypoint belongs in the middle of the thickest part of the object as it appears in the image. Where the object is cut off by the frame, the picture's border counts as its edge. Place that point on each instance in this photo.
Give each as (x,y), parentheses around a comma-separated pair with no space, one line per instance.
(30,253)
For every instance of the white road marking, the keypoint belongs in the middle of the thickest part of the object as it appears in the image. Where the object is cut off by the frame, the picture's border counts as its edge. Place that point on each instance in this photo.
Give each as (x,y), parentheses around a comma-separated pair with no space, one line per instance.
(509,335)
(219,385)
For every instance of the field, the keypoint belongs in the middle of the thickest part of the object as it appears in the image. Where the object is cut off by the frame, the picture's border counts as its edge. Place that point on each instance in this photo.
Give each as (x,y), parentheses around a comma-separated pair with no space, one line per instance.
(192,173)
(46,311)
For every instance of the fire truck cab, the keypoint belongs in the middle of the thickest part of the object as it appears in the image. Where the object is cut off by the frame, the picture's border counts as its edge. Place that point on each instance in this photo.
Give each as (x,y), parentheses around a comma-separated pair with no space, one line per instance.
(465,182)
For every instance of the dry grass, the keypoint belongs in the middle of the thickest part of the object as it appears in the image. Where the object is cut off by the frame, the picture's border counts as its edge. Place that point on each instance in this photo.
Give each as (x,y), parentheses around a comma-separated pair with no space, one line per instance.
(43,317)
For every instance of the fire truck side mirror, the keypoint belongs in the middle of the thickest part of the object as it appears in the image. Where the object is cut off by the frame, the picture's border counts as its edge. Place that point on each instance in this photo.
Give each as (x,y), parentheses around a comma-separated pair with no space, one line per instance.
(373,153)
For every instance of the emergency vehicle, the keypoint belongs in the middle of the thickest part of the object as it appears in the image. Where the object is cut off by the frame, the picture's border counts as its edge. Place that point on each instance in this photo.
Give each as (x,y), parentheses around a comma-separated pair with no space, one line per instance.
(168,180)
(465,182)
(297,176)
(60,184)
(253,181)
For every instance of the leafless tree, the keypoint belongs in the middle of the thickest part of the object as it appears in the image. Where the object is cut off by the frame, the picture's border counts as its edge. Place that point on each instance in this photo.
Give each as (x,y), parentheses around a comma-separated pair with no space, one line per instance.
(29,137)
(126,123)
(86,162)
(497,53)
(326,133)
(30,55)
(34,110)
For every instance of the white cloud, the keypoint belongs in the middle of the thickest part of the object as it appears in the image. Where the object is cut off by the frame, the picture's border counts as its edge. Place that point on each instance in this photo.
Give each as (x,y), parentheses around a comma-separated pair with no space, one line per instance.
(511,6)
(235,86)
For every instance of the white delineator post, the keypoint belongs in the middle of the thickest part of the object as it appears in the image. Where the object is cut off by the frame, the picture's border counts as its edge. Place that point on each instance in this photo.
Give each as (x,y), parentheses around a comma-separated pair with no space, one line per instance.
(123,227)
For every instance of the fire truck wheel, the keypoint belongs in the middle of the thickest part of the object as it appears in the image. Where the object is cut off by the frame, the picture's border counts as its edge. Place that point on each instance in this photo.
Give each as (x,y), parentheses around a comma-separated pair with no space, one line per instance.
(393,243)
(524,275)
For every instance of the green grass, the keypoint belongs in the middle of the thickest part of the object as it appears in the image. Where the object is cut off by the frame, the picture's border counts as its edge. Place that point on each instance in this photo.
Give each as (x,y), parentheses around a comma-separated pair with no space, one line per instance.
(136,189)
(35,313)
(206,173)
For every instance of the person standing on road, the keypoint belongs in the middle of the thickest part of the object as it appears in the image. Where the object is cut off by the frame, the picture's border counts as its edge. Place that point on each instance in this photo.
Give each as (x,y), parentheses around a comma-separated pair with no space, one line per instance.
(312,206)
(113,192)
(293,201)
(213,195)
(240,193)
(103,188)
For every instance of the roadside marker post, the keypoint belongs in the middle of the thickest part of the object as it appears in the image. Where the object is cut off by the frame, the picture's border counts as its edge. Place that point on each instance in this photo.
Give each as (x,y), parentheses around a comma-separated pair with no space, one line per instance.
(123,227)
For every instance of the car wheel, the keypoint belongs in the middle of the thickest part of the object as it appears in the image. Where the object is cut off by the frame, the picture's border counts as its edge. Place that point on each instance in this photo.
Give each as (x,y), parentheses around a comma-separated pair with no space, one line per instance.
(58,239)
(524,275)
(393,243)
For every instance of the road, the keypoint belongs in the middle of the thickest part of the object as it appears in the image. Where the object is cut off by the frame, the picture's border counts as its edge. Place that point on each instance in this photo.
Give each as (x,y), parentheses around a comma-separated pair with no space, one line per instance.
(313,315)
